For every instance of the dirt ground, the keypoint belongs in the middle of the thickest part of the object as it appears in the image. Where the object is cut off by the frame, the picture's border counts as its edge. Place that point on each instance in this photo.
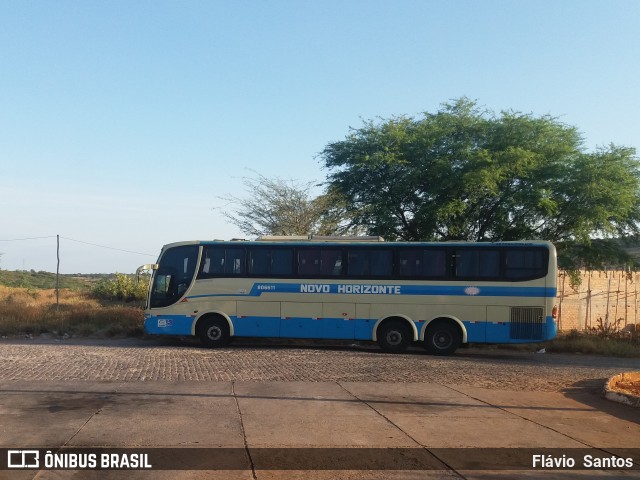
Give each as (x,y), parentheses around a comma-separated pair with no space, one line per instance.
(629,384)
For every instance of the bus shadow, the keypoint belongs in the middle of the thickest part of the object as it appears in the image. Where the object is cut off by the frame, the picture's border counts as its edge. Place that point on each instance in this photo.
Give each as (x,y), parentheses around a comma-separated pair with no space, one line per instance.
(469,352)
(251,343)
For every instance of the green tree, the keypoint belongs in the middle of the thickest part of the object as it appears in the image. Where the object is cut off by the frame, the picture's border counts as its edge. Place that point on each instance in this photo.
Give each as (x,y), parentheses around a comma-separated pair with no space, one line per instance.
(286,207)
(466,173)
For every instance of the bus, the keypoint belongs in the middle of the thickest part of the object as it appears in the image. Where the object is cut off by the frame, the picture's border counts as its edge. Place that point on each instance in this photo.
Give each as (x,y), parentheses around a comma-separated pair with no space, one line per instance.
(439,294)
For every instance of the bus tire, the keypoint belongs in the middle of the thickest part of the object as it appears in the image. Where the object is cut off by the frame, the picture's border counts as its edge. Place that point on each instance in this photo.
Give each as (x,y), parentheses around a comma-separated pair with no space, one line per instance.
(442,338)
(394,336)
(214,332)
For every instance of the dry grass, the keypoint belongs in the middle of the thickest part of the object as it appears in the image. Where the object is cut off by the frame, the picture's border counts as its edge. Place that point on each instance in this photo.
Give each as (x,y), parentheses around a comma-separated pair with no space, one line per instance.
(590,343)
(31,311)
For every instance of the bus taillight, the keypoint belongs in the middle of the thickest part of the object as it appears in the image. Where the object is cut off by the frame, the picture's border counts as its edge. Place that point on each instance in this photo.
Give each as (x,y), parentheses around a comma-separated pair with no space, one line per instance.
(554,312)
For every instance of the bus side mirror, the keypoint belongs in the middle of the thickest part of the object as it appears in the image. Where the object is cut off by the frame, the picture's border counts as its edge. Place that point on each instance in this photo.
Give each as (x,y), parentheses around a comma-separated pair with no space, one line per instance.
(142,268)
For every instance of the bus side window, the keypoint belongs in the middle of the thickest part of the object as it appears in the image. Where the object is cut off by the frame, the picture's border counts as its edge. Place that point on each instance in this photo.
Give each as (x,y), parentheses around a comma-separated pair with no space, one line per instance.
(234,261)
(425,263)
(357,264)
(308,262)
(215,260)
(434,263)
(265,262)
(331,262)
(282,261)
(410,263)
(325,262)
(477,263)
(370,262)
(523,263)
(221,261)
(259,262)
(381,262)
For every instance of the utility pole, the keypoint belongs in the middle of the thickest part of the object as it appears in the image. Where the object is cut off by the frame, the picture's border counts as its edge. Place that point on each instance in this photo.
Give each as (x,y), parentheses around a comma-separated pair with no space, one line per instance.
(58,272)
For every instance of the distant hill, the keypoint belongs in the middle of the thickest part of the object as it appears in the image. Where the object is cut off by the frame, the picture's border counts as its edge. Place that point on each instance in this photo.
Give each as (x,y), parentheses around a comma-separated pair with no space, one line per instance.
(40,280)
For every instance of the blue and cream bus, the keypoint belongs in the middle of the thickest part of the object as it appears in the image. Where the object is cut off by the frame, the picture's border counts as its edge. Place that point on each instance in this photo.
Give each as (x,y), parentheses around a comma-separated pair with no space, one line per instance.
(394,293)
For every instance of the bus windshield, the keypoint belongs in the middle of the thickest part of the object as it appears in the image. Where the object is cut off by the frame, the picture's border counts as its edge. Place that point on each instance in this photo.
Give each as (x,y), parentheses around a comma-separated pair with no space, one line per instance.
(173,276)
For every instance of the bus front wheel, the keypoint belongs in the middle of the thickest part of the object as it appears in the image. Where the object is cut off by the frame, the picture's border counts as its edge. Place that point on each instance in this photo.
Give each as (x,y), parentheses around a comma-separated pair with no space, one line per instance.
(442,338)
(394,336)
(214,332)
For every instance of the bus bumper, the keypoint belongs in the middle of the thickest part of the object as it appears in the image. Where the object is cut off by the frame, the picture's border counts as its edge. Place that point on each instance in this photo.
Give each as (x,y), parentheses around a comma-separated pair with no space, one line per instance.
(167,324)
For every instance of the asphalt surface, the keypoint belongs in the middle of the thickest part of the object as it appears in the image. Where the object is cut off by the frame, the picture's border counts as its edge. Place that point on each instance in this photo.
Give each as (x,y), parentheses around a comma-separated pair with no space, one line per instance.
(259,410)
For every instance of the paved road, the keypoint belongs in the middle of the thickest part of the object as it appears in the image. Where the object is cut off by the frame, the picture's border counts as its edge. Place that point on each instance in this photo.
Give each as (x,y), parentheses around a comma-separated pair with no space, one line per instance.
(135,360)
(140,394)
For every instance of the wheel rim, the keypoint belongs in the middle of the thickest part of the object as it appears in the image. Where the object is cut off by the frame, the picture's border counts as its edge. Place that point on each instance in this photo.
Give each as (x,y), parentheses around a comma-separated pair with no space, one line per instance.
(442,339)
(214,333)
(394,338)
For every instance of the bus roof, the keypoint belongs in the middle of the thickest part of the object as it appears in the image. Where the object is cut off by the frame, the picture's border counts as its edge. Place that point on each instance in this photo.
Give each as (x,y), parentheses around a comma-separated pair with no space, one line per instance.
(378,241)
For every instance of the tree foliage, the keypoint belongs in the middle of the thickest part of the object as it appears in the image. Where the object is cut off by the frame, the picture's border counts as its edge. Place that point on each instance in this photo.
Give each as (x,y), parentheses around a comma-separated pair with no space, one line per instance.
(466,173)
(286,207)
(599,254)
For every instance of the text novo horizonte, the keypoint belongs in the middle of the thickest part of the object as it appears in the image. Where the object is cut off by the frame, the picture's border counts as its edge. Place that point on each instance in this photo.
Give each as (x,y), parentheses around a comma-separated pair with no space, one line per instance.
(351,289)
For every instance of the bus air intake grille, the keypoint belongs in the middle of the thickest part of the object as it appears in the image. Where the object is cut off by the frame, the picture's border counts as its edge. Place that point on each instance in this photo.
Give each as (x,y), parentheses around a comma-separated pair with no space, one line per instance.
(527,323)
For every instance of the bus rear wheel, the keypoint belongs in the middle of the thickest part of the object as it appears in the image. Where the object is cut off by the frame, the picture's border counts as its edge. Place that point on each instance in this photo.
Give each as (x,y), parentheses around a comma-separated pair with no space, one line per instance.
(394,336)
(214,332)
(442,338)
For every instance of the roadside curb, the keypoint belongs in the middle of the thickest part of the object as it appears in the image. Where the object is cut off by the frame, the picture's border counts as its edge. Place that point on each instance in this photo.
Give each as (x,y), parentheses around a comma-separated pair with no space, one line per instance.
(614,393)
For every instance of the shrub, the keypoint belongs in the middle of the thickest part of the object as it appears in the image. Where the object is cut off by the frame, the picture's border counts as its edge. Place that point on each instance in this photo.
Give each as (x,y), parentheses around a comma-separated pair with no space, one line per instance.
(606,338)
(122,288)
(612,329)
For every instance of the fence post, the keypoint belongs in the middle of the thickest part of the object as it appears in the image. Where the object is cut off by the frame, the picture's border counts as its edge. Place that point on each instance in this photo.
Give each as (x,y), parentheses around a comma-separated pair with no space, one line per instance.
(626,292)
(587,317)
(564,277)
(635,300)
(615,315)
(606,313)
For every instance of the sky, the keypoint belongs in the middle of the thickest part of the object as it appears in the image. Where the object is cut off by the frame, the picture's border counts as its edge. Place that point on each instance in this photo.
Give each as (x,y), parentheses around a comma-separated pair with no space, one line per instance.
(126,125)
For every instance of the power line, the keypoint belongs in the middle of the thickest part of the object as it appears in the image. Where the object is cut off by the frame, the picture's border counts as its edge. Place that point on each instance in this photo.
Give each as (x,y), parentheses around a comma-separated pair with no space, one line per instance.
(78,241)
(109,248)
(31,238)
